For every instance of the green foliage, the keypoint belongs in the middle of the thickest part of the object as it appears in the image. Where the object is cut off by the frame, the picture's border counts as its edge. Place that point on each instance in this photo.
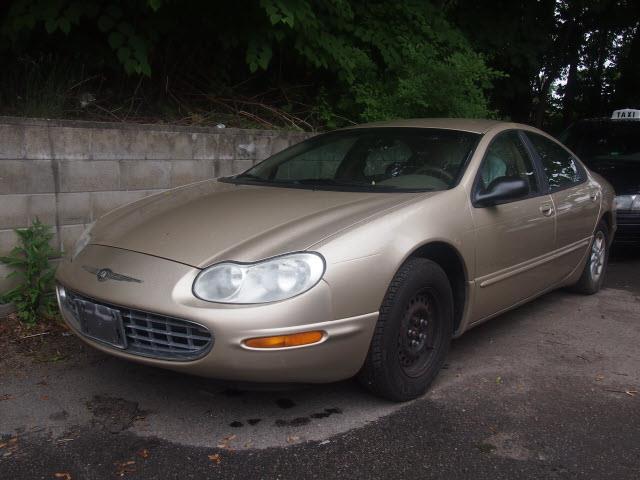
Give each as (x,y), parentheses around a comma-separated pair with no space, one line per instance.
(30,261)
(373,60)
(391,59)
(130,48)
(357,59)
(424,85)
(38,87)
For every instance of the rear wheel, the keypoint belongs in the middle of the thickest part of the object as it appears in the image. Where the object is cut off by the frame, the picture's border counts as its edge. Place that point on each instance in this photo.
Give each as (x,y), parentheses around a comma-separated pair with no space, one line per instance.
(593,274)
(413,332)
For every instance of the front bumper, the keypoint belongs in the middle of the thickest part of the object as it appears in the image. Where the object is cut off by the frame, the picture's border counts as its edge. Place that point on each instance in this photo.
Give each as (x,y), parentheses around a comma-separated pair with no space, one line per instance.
(166,290)
(628,231)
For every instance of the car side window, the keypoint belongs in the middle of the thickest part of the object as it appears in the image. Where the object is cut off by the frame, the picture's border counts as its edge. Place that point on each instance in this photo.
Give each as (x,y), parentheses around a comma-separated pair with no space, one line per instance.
(507,157)
(559,165)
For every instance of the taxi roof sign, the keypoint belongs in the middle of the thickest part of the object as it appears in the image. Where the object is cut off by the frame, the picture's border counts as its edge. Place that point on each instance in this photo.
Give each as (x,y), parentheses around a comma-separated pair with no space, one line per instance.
(626,114)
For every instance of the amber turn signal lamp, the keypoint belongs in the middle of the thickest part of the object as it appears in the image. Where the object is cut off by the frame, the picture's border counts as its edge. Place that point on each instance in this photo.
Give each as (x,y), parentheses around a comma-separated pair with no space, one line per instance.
(281,341)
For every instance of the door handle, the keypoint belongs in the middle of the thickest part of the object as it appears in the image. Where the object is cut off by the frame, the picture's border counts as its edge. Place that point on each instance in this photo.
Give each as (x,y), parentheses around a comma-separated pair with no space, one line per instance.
(594,196)
(546,209)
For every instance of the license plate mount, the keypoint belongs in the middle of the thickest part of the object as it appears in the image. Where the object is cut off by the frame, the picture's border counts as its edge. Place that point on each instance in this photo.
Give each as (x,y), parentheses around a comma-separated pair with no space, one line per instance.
(101,323)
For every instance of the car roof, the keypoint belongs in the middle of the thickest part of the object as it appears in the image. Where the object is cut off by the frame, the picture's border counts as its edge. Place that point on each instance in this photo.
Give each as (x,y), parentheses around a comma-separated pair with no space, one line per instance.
(474,125)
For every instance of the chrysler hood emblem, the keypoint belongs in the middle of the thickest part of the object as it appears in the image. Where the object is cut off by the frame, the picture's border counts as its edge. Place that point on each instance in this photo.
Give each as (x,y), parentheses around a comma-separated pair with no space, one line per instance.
(104,274)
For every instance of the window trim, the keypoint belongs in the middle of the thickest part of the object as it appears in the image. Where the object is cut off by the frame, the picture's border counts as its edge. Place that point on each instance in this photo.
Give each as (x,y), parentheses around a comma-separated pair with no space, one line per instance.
(542,187)
(582,172)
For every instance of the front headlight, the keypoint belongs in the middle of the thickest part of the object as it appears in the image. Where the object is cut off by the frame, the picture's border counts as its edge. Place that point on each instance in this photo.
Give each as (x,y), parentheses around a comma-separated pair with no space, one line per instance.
(270,280)
(628,202)
(83,241)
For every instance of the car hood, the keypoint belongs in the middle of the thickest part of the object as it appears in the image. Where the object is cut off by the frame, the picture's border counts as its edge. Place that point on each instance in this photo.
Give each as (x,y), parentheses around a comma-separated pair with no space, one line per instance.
(211,221)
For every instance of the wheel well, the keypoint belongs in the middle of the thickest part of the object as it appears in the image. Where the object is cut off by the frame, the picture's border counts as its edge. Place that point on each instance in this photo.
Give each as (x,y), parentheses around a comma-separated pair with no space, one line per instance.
(607,218)
(450,261)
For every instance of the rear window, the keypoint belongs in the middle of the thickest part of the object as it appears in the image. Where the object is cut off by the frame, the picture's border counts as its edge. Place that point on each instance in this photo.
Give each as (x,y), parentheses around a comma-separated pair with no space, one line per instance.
(559,165)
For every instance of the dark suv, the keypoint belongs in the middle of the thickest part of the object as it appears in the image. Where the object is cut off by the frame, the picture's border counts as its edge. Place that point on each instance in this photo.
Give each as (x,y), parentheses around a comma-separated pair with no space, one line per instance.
(611,147)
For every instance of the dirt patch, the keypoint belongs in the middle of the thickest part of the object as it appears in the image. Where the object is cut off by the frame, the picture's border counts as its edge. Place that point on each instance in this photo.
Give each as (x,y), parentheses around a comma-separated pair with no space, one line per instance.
(114,414)
(48,341)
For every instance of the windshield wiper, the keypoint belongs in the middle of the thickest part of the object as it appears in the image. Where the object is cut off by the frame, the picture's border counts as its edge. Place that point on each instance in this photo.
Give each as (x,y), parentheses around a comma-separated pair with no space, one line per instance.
(322,182)
(248,176)
(314,183)
(331,182)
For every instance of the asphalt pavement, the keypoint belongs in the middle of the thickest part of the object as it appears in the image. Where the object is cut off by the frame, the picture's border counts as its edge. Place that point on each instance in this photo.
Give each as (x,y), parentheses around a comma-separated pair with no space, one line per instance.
(550,390)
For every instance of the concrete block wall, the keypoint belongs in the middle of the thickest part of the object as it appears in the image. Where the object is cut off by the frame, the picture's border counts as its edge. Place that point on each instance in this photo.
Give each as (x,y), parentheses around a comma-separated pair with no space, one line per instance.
(69,173)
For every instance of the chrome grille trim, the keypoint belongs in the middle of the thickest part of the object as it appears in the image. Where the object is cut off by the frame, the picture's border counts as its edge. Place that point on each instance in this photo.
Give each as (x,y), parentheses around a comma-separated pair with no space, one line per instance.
(153,335)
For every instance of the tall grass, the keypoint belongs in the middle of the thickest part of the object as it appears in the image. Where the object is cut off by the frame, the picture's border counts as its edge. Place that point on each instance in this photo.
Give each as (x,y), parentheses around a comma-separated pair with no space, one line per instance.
(39,87)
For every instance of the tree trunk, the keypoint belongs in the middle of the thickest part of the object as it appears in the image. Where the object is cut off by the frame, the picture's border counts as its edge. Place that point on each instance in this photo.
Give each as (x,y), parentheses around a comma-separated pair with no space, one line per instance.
(543,97)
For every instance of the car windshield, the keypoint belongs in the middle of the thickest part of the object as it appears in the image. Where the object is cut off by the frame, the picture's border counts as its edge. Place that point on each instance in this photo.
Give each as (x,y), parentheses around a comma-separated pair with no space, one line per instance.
(369,159)
(604,141)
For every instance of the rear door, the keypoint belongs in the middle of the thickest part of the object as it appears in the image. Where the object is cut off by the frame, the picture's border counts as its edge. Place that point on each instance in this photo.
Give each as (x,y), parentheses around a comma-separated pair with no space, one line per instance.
(575,198)
(513,239)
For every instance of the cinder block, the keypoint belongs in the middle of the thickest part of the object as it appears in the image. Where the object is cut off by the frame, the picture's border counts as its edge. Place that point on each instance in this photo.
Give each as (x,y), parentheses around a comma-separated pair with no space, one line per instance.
(145,174)
(118,144)
(226,147)
(71,143)
(6,284)
(205,146)
(37,143)
(245,147)
(297,137)
(74,208)
(43,207)
(12,141)
(68,235)
(89,176)
(26,176)
(169,146)
(223,168)
(279,143)
(263,147)
(189,171)
(239,166)
(8,240)
(104,202)
(13,210)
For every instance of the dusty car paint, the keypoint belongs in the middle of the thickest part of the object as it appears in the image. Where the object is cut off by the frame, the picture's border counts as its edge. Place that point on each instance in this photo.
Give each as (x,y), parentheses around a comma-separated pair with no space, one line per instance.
(509,254)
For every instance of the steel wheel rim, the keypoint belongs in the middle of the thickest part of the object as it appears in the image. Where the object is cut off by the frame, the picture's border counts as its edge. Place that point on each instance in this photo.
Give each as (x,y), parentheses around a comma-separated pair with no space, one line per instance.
(598,255)
(419,334)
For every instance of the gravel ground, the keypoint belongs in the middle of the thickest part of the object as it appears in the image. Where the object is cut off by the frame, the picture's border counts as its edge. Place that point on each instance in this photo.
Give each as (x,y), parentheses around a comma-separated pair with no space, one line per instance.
(548,390)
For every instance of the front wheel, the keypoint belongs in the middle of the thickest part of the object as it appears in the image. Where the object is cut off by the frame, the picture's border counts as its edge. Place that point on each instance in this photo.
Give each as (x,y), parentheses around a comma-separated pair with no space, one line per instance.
(413,332)
(592,276)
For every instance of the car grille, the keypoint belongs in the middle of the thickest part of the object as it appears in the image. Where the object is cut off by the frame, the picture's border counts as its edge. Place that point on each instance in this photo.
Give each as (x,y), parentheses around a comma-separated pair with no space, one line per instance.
(149,334)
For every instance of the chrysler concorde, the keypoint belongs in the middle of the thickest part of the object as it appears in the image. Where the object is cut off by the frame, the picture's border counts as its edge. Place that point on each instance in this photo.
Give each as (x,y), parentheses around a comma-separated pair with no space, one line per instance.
(359,252)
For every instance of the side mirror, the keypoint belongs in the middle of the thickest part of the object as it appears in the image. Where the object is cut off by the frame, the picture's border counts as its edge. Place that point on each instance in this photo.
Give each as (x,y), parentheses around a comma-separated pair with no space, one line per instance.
(500,190)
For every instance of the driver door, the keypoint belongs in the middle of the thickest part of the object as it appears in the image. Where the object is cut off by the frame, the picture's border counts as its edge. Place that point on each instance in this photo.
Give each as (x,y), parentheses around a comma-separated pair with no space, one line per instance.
(515,239)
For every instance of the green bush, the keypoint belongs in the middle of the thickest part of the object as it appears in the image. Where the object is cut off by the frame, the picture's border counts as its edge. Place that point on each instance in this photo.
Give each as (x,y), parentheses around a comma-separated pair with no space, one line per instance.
(31,262)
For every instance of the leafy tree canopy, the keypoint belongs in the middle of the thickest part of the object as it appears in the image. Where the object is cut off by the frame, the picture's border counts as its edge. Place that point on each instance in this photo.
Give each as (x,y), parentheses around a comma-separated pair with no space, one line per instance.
(319,63)
(359,60)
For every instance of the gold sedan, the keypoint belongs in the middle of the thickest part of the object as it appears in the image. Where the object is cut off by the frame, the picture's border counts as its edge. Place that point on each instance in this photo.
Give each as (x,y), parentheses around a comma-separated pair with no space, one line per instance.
(362,251)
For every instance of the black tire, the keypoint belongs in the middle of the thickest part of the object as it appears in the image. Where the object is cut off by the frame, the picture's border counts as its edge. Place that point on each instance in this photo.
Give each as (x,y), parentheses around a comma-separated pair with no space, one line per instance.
(591,281)
(418,307)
